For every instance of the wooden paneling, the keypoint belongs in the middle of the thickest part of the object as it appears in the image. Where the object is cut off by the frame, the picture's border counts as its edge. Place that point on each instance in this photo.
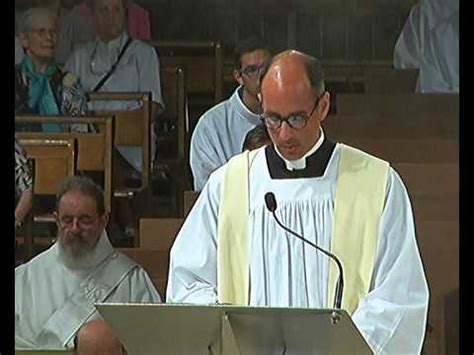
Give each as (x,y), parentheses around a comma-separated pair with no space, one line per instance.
(158,233)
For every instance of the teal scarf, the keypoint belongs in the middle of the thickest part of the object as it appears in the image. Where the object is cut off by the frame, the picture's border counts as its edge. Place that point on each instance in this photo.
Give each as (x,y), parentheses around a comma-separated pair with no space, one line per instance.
(40,93)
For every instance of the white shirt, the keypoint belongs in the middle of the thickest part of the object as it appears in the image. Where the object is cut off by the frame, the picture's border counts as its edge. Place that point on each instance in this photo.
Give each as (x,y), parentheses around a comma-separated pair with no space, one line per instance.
(218,136)
(137,71)
(430,41)
(43,284)
(284,272)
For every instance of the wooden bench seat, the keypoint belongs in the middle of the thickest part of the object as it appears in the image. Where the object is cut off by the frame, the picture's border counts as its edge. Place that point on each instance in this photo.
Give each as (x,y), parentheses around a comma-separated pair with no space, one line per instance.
(423,126)
(398,104)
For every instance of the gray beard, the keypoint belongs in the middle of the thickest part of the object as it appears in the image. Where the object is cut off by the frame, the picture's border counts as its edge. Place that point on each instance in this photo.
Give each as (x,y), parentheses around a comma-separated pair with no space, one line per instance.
(78,255)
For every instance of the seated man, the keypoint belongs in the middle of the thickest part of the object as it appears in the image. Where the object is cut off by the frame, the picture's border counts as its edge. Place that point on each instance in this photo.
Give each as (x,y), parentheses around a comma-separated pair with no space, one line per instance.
(220,132)
(340,198)
(429,41)
(41,86)
(136,67)
(55,292)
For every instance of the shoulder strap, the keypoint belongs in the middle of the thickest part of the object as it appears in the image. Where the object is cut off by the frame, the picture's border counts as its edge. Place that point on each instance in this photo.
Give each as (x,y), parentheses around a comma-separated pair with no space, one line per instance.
(64,323)
(106,77)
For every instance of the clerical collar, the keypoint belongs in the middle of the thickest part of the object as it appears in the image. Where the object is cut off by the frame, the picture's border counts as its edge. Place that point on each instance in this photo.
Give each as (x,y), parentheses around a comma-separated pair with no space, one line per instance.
(238,103)
(316,161)
(301,162)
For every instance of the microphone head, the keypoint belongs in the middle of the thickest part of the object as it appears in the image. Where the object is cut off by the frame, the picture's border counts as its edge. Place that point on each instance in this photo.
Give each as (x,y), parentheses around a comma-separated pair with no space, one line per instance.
(270,201)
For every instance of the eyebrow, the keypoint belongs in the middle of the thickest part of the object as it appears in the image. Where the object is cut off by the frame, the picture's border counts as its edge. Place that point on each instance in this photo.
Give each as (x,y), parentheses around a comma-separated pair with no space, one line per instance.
(298,113)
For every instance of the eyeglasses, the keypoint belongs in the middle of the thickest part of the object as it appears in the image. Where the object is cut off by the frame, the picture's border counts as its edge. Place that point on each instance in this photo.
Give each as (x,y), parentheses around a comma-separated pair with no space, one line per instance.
(83,222)
(43,32)
(251,70)
(274,121)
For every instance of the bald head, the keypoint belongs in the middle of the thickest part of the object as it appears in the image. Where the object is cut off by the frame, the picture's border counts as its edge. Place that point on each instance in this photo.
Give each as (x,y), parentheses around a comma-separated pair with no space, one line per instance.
(295,70)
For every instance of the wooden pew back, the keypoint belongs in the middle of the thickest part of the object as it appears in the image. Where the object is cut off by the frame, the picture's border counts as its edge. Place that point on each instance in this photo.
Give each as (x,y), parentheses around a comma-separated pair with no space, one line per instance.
(399,105)
(201,60)
(54,161)
(94,150)
(155,263)
(132,127)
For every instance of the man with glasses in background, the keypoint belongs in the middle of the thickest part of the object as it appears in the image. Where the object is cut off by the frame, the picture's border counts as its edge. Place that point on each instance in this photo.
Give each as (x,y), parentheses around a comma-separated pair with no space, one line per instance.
(220,132)
(231,249)
(55,292)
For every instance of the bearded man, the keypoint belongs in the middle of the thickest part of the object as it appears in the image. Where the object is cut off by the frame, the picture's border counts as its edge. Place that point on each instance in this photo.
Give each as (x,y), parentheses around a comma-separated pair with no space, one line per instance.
(55,292)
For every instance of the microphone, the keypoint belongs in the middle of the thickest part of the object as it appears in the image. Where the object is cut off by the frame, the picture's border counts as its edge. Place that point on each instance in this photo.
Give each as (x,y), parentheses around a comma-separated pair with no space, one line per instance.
(271,204)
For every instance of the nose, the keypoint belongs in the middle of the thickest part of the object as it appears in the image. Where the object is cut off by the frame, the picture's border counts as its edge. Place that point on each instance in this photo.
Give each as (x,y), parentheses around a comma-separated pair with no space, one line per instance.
(285,132)
(50,34)
(75,224)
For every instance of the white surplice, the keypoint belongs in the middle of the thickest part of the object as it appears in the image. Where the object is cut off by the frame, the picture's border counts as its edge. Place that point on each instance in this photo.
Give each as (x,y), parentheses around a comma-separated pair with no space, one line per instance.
(218,136)
(285,272)
(43,284)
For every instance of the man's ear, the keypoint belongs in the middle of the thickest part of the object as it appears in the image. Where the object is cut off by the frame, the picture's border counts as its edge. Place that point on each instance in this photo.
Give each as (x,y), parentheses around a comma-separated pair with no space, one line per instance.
(237,76)
(56,216)
(104,219)
(324,104)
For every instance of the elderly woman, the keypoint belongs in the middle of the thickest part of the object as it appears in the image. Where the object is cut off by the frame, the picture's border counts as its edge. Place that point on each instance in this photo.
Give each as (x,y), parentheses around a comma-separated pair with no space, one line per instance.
(41,86)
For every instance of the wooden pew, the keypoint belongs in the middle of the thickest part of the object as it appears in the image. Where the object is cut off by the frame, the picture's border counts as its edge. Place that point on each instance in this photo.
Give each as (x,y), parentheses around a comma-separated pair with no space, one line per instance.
(390,81)
(202,62)
(386,125)
(156,264)
(189,198)
(408,150)
(158,233)
(156,237)
(132,128)
(172,138)
(54,160)
(94,150)
(438,242)
(399,105)
(430,180)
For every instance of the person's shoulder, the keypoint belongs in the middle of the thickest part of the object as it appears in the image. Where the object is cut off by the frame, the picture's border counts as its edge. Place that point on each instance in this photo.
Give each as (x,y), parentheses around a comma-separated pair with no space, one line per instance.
(359,152)
(211,119)
(140,45)
(216,113)
(125,259)
(34,264)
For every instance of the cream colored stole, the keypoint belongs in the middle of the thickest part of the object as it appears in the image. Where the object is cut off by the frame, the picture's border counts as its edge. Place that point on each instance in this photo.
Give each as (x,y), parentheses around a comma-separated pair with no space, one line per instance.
(358,206)
(232,230)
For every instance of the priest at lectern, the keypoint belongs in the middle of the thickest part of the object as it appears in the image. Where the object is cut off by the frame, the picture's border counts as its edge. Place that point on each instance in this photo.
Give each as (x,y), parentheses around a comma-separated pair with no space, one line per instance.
(235,246)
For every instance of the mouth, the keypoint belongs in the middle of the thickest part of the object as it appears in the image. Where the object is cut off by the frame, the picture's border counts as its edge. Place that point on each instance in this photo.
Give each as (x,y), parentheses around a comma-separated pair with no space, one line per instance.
(71,238)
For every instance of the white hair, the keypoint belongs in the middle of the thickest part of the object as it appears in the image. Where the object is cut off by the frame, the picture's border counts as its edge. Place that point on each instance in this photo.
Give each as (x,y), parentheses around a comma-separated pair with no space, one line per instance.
(26,19)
